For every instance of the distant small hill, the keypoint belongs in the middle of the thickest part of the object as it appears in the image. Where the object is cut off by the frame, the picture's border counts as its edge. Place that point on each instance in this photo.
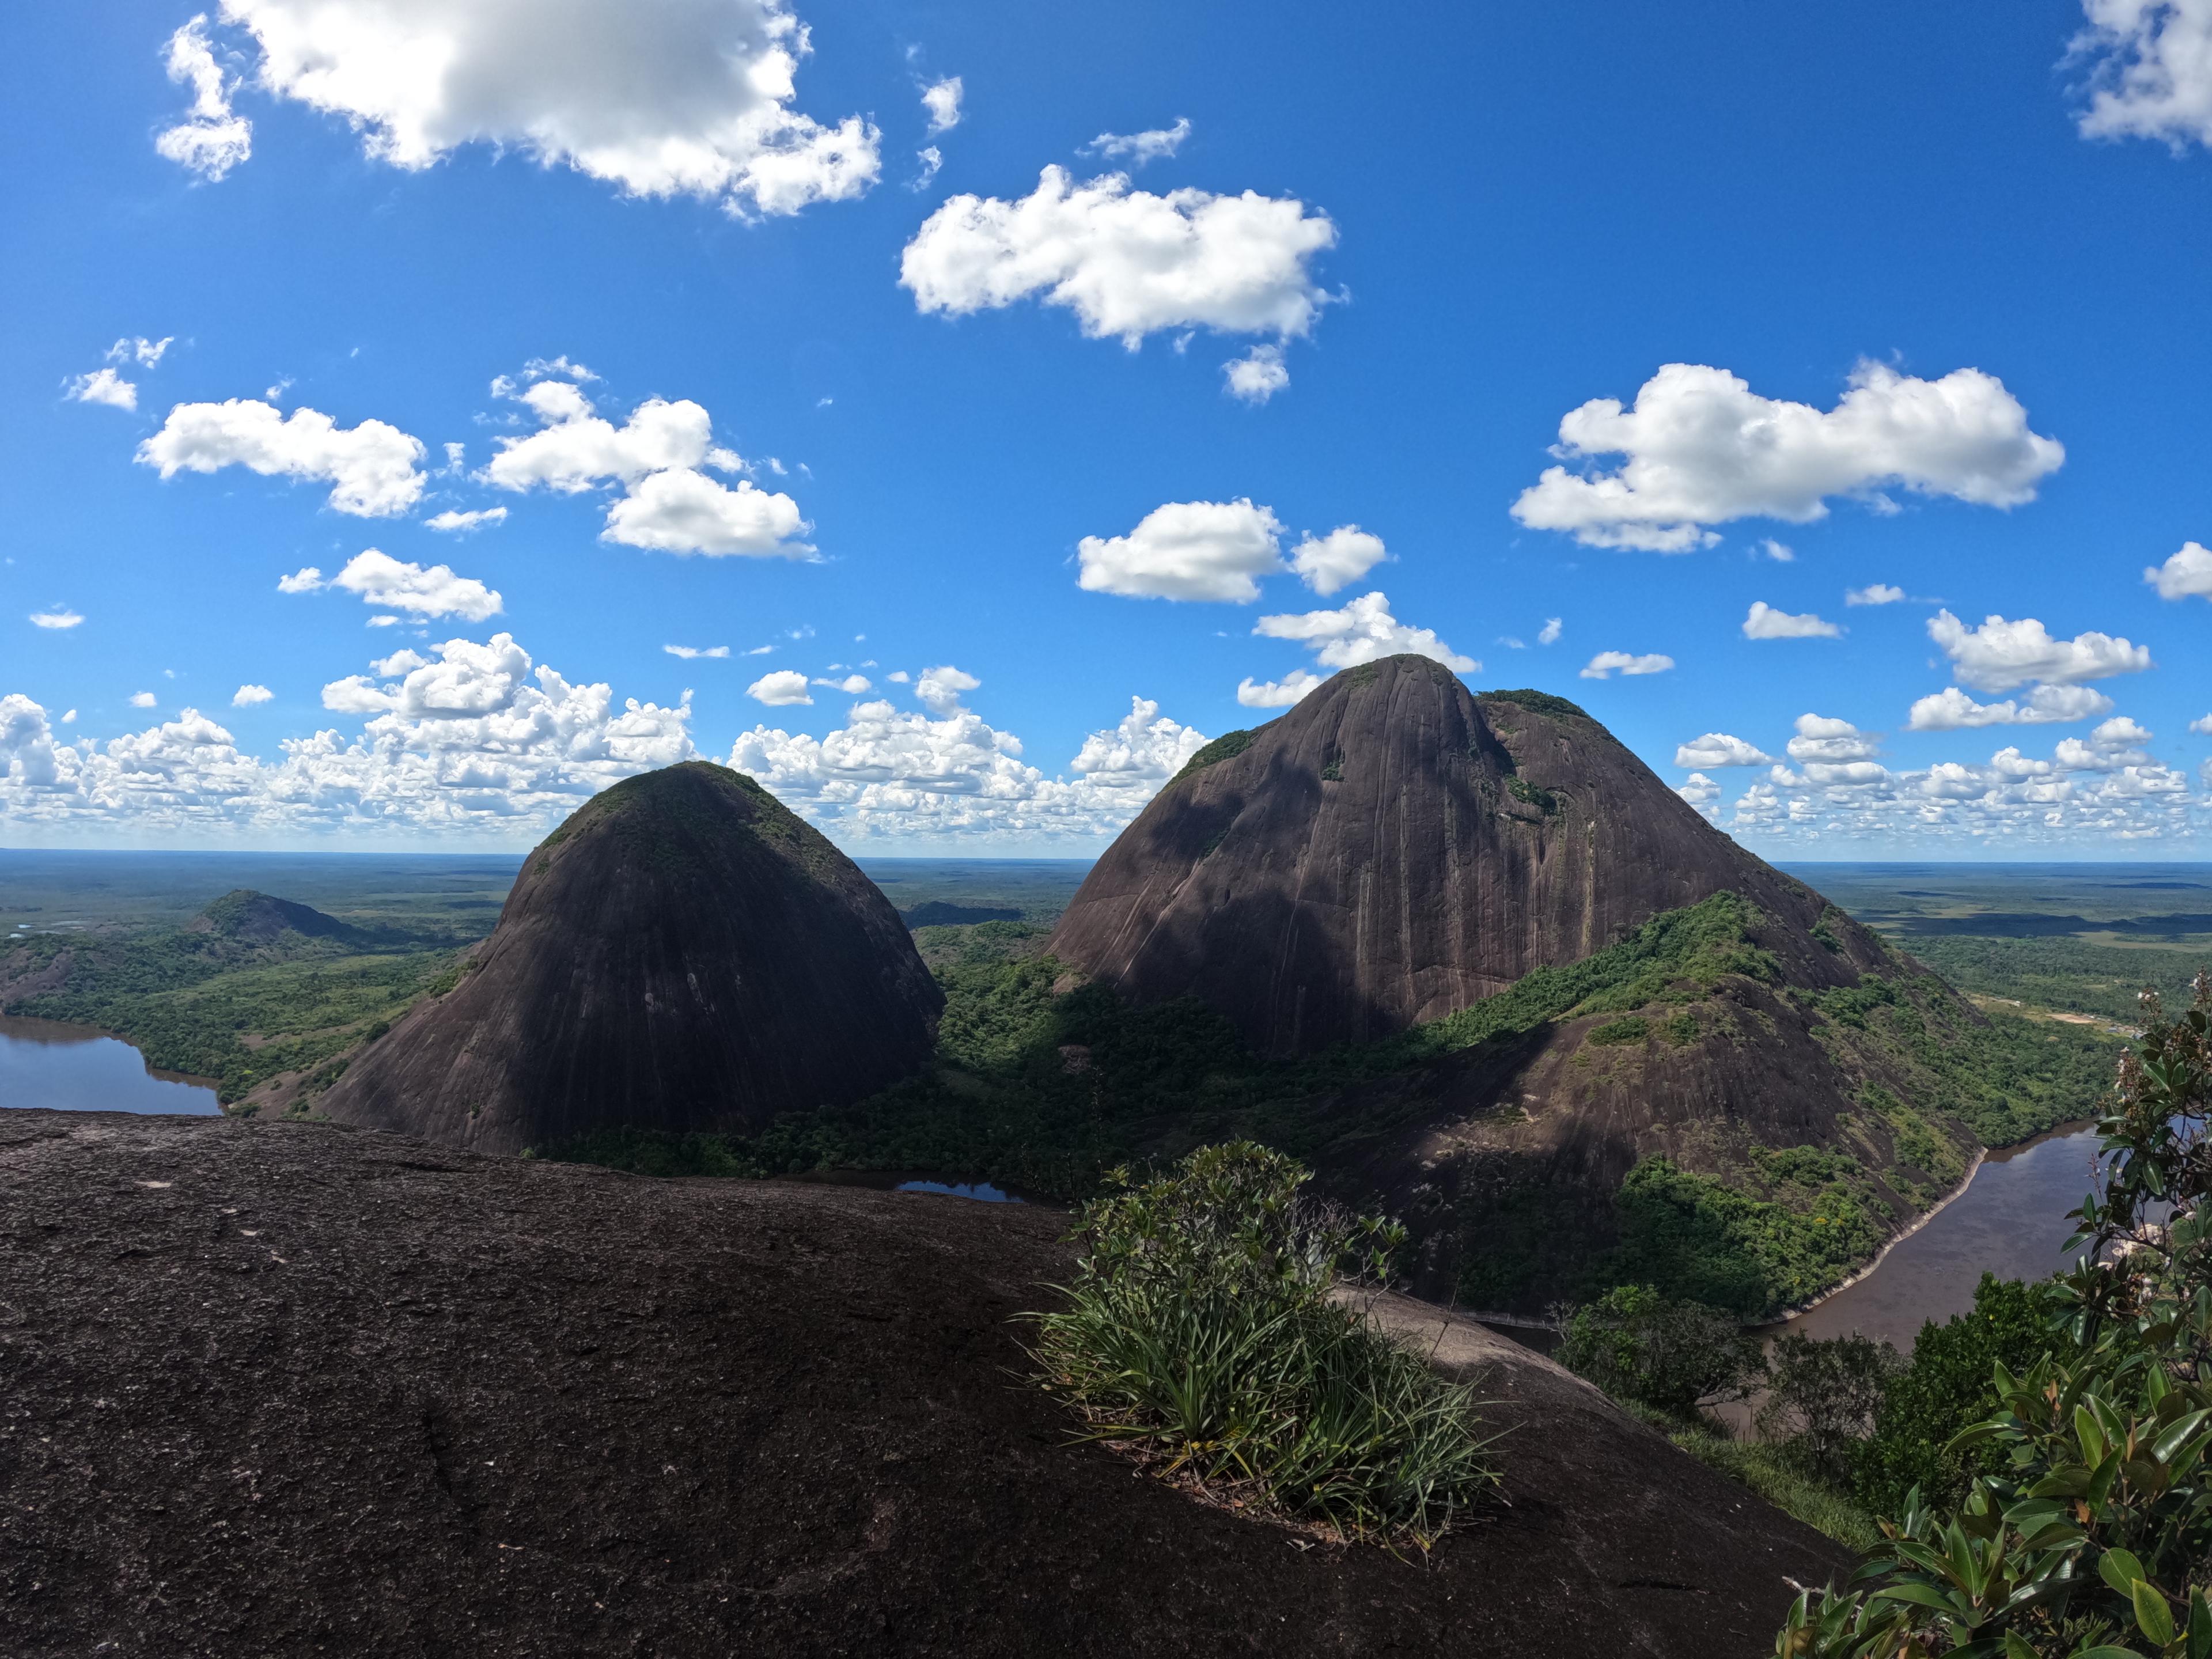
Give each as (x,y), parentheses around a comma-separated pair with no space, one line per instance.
(936,912)
(684,953)
(246,917)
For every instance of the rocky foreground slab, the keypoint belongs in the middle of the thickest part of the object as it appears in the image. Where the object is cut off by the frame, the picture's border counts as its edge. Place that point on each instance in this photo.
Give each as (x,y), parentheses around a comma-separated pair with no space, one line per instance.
(290,1389)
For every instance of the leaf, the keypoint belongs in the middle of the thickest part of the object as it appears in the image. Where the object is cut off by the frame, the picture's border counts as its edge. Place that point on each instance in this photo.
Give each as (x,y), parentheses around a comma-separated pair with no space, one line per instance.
(2200,1625)
(2120,1569)
(2152,1616)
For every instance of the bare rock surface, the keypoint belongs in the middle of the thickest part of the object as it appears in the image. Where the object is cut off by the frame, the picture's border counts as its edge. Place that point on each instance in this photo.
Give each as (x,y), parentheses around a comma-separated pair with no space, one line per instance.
(1394,848)
(684,953)
(281,1388)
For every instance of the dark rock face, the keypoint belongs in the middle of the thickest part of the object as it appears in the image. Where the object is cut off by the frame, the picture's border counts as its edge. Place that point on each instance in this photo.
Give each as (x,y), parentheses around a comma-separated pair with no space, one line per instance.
(1394,848)
(683,953)
(278,1389)
(250,918)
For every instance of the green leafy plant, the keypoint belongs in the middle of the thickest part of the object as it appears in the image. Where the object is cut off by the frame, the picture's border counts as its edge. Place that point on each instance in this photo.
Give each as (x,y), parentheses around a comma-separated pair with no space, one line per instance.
(2092,1542)
(1675,1357)
(1204,1334)
(1822,1396)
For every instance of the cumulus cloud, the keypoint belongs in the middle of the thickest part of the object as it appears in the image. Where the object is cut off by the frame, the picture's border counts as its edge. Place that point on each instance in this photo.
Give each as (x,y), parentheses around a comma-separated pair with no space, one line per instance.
(1606,664)
(1702,449)
(459,523)
(1717,748)
(939,689)
(1362,631)
(1552,629)
(1126,261)
(1873,593)
(1187,550)
(1765,622)
(2000,654)
(852,685)
(61,616)
(1826,739)
(373,469)
(390,585)
(1139,147)
(932,159)
(211,139)
(138,349)
(1325,563)
(1257,376)
(942,99)
(141,699)
(103,385)
(670,505)
(948,776)
(2188,574)
(690,98)
(690,651)
(246,696)
(780,688)
(1777,551)
(2150,70)
(1277,693)
(1952,709)
(1702,792)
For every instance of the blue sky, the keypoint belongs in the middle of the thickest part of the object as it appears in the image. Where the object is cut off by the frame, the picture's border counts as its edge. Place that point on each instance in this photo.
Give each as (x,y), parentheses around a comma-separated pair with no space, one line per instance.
(1463,225)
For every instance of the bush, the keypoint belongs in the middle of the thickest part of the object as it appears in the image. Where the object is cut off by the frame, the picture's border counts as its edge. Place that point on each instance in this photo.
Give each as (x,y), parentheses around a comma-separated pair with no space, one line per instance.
(1202,1336)
(1675,1357)
(1822,1397)
(1944,1388)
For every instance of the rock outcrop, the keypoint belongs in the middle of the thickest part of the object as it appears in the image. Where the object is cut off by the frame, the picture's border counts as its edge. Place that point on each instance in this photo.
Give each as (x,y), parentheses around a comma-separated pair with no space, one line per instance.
(1394,848)
(280,1388)
(243,916)
(684,953)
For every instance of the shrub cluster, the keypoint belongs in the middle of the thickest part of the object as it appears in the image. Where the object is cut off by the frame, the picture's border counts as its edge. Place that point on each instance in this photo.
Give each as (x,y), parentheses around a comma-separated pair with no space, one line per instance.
(1205,1333)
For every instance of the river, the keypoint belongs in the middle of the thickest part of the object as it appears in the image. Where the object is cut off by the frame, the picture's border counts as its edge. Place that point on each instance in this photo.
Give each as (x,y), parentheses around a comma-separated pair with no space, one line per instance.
(2010,1221)
(73,1068)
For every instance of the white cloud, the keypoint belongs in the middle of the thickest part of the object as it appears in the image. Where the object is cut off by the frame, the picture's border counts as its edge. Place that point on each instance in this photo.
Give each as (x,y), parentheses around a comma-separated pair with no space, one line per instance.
(671,507)
(2150,70)
(852,685)
(1257,376)
(1326,563)
(1139,147)
(1825,739)
(942,99)
(1717,748)
(1765,622)
(211,140)
(247,695)
(1702,449)
(1873,593)
(1278,693)
(690,651)
(2117,745)
(932,159)
(2189,572)
(779,688)
(1362,631)
(1128,262)
(939,689)
(1187,550)
(61,616)
(691,97)
(1552,630)
(103,385)
(372,468)
(385,582)
(147,354)
(1952,709)
(458,523)
(682,512)
(141,699)
(948,776)
(1605,663)
(2000,654)
(1779,552)
(1702,792)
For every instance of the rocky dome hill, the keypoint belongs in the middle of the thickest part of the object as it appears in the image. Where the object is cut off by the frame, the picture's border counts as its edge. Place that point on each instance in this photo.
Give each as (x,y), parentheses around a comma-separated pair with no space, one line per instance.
(1586,978)
(684,953)
(245,917)
(278,1389)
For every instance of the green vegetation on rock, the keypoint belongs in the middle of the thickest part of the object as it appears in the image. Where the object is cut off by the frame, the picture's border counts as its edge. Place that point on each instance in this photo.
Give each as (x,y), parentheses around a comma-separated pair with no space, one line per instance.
(1225,747)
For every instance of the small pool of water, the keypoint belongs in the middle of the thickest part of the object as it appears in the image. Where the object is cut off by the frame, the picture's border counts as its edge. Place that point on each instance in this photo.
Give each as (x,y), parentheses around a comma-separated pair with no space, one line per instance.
(977,1189)
(915,1181)
(74,1068)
